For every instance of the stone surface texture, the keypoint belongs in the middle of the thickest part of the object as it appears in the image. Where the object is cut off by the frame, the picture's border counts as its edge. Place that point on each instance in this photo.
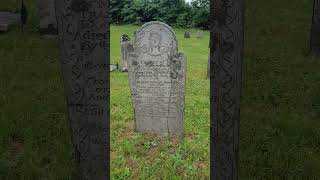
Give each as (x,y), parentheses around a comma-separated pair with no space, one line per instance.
(157,75)
(7,19)
(84,36)
(227,43)
(199,34)
(126,47)
(315,29)
(47,14)
(187,35)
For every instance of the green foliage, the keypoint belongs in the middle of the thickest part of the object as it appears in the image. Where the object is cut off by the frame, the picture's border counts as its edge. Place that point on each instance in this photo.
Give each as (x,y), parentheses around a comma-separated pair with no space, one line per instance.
(175,13)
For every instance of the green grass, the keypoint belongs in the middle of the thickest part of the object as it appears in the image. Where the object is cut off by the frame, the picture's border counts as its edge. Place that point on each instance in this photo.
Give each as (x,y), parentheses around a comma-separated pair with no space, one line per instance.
(280,105)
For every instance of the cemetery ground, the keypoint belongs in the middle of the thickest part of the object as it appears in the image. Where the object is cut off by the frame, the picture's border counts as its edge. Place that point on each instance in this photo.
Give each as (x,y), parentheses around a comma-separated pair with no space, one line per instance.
(280,106)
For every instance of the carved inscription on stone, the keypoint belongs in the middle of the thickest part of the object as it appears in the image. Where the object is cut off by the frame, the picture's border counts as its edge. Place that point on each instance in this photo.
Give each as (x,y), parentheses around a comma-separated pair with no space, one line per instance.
(84,47)
(315,29)
(157,73)
(227,43)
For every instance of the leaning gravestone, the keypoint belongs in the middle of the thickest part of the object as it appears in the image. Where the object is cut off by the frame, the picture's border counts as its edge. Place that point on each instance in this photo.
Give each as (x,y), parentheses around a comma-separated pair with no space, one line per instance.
(187,35)
(84,52)
(157,74)
(126,47)
(199,34)
(47,16)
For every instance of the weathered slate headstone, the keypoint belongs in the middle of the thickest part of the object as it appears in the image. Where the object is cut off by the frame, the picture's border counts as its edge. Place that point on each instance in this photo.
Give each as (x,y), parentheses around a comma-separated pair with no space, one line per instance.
(85,55)
(187,35)
(47,16)
(157,74)
(199,34)
(315,29)
(126,47)
(227,33)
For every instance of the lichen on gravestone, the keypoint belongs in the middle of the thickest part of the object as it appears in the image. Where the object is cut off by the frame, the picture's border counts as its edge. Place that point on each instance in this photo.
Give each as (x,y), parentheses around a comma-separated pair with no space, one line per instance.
(157,76)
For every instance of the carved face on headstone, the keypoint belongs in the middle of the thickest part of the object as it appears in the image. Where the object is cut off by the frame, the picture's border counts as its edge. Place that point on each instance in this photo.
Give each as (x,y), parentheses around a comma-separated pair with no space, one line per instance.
(154,40)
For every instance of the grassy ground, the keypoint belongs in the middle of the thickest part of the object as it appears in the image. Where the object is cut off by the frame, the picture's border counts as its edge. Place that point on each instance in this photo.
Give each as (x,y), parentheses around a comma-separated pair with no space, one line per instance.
(280,107)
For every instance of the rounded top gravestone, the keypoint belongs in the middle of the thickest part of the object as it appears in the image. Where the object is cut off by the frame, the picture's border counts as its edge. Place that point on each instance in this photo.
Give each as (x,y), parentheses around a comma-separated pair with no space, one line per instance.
(156,38)
(157,80)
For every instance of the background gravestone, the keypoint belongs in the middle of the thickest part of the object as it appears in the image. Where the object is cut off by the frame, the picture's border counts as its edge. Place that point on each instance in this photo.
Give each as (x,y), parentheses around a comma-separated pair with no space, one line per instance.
(315,29)
(126,47)
(227,33)
(84,49)
(47,16)
(157,74)
(187,35)
(199,34)
(114,67)
(7,19)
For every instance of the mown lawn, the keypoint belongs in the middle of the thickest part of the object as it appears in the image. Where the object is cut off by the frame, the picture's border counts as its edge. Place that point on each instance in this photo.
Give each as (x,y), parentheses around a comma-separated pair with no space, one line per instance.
(280,106)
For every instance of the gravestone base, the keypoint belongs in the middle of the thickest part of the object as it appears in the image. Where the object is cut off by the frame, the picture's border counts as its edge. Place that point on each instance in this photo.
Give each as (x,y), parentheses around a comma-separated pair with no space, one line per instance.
(161,133)
(50,30)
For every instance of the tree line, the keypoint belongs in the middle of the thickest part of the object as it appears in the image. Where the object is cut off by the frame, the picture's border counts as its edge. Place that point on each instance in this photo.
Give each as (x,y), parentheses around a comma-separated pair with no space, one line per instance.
(176,13)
